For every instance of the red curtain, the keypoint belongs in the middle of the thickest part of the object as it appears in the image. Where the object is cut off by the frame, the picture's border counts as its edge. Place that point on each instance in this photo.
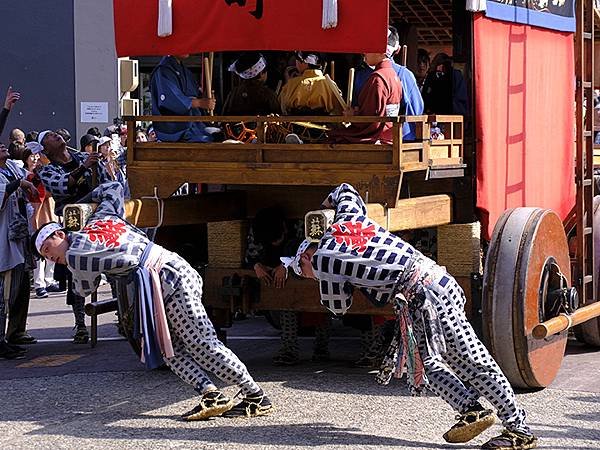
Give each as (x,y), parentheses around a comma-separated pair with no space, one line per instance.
(525,94)
(222,25)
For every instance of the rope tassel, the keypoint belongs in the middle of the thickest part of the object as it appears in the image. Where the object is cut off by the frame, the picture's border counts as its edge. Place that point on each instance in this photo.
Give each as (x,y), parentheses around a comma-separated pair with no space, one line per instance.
(476,5)
(165,18)
(330,14)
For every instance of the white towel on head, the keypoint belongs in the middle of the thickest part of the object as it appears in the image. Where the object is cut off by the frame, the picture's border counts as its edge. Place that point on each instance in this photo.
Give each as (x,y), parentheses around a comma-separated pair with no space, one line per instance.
(165,18)
(330,14)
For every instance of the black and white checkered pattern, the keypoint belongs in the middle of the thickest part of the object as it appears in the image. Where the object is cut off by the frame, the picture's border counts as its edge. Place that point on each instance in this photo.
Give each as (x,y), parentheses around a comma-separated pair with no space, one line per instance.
(342,265)
(197,349)
(56,180)
(467,370)
(376,262)
(88,259)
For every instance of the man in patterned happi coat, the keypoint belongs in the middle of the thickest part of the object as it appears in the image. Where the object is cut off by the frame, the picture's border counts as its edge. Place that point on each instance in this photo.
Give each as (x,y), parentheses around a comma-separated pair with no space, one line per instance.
(433,337)
(170,316)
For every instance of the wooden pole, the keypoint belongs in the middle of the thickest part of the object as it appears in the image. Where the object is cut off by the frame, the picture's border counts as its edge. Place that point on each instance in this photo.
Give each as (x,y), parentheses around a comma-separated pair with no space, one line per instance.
(211,63)
(208,73)
(404,55)
(350,86)
(332,70)
(564,321)
(335,91)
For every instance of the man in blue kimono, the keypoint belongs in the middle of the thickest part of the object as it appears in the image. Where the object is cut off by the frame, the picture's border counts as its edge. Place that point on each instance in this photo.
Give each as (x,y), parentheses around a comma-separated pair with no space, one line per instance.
(175,93)
(412,101)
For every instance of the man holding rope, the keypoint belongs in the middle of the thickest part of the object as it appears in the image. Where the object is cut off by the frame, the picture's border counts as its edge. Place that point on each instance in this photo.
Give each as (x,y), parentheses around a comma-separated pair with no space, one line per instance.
(433,337)
(170,316)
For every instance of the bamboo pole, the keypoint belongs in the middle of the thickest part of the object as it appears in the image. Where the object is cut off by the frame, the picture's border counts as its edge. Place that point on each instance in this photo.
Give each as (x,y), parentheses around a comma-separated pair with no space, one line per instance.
(350,86)
(336,91)
(207,74)
(564,321)
(332,70)
(211,63)
(404,55)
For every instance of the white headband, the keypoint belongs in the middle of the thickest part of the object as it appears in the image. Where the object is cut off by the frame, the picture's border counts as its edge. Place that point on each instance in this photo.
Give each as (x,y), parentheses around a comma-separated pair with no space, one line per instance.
(42,135)
(294,262)
(389,49)
(45,233)
(309,58)
(253,71)
(34,147)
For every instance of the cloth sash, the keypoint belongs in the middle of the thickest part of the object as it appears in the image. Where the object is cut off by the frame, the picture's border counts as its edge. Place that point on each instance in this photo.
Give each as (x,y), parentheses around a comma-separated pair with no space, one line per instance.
(153,327)
(416,319)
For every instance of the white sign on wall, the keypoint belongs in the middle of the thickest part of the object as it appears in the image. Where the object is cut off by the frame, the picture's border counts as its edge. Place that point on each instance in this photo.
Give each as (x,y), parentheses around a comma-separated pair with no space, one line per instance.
(94,112)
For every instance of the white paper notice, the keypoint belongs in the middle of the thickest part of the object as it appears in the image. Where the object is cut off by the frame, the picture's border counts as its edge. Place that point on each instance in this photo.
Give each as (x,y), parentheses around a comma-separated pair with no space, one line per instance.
(94,112)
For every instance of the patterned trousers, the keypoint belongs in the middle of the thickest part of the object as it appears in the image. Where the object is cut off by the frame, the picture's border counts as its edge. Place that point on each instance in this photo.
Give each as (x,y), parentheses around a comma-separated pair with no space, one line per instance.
(289,321)
(466,371)
(195,343)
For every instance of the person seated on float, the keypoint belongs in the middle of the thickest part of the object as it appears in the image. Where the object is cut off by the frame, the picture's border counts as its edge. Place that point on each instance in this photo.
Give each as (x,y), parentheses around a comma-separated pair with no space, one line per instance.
(270,237)
(311,93)
(412,101)
(251,96)
(380,96)
(444,89)
(175,92)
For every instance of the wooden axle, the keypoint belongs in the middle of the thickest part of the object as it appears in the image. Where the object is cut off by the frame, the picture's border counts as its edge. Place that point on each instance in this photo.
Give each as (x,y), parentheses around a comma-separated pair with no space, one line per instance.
(564,322)
(101,307)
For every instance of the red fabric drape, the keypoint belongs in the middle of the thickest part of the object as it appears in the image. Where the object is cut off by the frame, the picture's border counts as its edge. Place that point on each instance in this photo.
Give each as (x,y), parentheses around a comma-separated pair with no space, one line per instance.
(524,79)
(222,25)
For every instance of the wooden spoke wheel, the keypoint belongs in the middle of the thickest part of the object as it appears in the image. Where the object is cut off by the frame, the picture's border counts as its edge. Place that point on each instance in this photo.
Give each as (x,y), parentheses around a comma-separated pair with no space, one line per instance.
(526,257)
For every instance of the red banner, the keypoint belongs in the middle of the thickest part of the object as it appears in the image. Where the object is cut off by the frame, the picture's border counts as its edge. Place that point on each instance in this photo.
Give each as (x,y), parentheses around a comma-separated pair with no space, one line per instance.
(525,119)
(231,25)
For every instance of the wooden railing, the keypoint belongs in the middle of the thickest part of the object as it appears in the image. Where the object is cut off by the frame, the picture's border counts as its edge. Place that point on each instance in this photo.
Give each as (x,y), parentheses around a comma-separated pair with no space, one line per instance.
(374,168)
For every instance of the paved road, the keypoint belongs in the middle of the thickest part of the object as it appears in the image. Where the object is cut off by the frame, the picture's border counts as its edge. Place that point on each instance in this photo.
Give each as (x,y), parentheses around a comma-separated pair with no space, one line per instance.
(66,396)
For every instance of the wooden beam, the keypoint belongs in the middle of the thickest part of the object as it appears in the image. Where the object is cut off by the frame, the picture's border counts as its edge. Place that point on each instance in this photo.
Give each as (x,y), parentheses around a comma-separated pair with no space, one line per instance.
(188,210)
(297,295)
(413,213)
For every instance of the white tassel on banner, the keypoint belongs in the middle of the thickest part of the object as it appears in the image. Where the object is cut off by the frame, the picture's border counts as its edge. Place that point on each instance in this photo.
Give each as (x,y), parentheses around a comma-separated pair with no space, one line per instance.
(330,14)
(165,18)
(476,5)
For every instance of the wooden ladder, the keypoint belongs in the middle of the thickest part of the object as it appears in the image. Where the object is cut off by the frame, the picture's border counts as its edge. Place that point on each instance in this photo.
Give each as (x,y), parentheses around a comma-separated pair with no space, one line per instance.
(584,175)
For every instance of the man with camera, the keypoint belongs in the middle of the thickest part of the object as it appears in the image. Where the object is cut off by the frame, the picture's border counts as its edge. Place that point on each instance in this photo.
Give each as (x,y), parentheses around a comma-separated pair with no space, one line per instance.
(69,177)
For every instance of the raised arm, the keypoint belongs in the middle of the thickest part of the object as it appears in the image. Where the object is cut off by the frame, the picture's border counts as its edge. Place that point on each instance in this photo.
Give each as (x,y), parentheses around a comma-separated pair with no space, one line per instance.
(346,201)
(109,197)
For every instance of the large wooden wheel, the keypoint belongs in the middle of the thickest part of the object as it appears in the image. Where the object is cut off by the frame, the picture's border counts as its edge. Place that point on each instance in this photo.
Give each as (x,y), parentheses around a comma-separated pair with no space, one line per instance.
(527,255)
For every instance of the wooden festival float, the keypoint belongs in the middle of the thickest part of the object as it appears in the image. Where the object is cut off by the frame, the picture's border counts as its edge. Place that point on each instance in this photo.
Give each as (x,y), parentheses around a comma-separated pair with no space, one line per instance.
(499,187)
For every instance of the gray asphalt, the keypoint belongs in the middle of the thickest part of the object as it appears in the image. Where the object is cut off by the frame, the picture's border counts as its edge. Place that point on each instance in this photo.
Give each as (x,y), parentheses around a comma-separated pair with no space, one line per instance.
(67,396)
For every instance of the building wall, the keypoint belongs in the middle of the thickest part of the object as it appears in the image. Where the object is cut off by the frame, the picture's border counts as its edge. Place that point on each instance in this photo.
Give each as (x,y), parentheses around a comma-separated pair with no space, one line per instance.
(36,57)
(95,60)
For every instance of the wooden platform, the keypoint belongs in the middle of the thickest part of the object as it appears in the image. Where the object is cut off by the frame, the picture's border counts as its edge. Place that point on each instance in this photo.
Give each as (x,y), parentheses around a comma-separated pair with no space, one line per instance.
(375,170)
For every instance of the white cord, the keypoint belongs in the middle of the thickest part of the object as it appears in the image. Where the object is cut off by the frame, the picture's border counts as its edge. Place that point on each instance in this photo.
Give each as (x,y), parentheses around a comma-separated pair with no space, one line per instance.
(160,205)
